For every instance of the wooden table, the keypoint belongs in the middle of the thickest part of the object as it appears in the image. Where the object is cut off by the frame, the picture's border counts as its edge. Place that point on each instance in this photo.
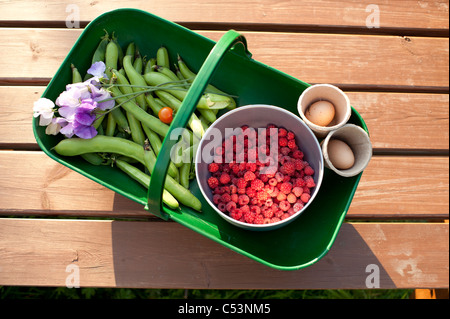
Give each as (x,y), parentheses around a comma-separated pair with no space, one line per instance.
(395,69)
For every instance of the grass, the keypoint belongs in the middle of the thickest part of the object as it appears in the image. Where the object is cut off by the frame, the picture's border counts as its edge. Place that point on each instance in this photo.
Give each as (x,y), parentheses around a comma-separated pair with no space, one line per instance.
(125,293)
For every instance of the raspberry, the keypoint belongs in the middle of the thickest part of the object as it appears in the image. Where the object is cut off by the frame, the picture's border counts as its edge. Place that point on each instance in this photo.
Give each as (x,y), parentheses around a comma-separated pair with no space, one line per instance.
(305,197)
(235,169)
(298,191)
(216,198)
(219,150)
(285,188)
(225,178)
(241,183)
(299,164)
(278,213)
(285,215)
(269,202)
(282,142)
(297,154)
(245,209)
(249,217)
(282,132)
(233,189)
(281,196)
(222,207)
(250,192)
(213,182)
(275,219)
(243,200)
(230,206)
(255,209)
(309,181)
(291,198)
(234,197)
(279,177)
(241,191)
(236,214)
(268,213)
(285,150)
(257,184)
(273,182)
(309,170)
(249,176)
(297,206)
(290,136)
(213,167)
(299,182)
(291,144)
(259,219)
(225,198)
(264,178)
(262,196)
(288,168)
(250,167)
(284,205)
(275,192)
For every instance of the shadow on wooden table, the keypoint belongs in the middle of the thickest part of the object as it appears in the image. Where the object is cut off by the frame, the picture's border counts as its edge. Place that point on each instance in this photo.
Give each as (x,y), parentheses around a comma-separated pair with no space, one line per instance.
(168,255)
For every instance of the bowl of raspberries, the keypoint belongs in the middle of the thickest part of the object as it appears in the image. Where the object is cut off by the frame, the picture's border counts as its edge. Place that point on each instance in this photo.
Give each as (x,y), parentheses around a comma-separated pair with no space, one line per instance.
(259,166)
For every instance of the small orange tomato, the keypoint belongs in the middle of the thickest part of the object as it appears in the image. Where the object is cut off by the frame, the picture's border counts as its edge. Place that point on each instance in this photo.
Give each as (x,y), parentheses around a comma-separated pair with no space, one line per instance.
(166,115)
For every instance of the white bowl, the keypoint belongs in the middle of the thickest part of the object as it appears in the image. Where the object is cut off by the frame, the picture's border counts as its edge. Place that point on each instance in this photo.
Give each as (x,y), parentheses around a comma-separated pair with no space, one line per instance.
(258,116)
(332,94)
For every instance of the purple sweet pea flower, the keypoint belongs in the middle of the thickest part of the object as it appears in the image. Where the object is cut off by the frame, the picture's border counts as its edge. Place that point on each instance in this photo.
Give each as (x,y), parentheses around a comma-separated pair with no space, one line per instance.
(98,69)
(84,118)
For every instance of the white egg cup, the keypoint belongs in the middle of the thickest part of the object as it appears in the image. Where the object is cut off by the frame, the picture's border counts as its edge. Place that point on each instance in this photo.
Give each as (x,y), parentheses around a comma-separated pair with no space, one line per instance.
(328,93)
(358,140)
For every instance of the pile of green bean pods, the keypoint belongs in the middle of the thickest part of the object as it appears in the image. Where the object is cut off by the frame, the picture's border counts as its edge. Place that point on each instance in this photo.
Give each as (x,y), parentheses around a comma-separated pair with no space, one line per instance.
(130,135)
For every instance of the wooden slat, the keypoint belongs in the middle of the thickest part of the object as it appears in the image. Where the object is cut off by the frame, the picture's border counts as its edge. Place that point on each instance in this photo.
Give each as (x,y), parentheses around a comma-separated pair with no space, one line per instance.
(393,14)
(147,255)
(395,120)
(391,187)
(358,60)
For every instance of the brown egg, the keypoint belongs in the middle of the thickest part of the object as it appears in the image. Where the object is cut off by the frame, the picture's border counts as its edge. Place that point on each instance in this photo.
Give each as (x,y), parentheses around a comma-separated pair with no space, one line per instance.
(320,113)
(340,154)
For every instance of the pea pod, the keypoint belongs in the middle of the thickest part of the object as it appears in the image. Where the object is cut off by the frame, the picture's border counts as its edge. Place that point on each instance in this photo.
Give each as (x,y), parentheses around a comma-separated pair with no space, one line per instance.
(76,76)
(138,63)
(110,125)
(135,127)
(135,78)
(100,144)
(208,101)
(119,49)
(99,54)
(166,71)
(190,76)
(146,119)
(111,58)
(149,65)
(162,57)
(183,195)
(144,180)
(155,143)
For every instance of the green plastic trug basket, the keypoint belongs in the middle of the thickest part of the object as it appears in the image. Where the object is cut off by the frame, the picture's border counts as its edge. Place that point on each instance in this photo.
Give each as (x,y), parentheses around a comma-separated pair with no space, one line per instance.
(305,240)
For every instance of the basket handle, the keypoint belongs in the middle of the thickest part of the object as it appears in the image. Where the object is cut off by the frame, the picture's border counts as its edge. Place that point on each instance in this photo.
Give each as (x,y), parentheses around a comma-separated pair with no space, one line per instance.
(187,108)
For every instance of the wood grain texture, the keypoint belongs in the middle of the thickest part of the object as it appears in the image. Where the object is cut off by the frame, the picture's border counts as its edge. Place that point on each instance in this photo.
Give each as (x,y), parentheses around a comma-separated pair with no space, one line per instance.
(147,255)
(360,60)
(393,14)
(394,120)
(391,187)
